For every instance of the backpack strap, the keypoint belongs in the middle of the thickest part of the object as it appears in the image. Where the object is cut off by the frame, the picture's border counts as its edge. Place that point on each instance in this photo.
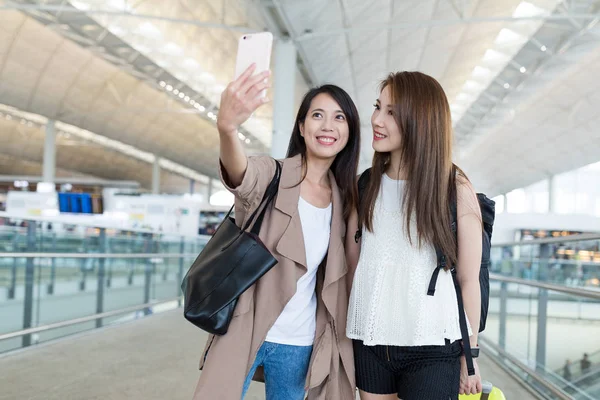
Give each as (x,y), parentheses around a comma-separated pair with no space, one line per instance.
(442,263)
(363,182)
(462,321)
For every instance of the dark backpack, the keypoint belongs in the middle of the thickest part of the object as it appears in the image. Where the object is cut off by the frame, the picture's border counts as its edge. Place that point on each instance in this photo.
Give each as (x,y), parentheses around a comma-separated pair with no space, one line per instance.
(487,215)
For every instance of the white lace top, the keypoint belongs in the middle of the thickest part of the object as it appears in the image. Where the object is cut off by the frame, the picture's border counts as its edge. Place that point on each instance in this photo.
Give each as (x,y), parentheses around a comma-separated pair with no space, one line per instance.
(389,304)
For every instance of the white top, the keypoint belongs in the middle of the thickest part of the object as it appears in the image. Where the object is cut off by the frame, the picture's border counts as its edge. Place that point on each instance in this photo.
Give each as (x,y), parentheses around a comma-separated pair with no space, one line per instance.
(297,323)
(389,304)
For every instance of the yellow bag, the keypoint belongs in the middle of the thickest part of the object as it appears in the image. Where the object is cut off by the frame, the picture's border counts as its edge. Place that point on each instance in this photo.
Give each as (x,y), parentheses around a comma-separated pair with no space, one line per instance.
(489,392)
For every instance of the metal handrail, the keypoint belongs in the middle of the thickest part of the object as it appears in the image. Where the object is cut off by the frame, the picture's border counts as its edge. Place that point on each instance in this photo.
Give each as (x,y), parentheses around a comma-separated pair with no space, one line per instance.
(581,292)
(81,320)
(98,225)
(560,394)
(561,239)
(98,255)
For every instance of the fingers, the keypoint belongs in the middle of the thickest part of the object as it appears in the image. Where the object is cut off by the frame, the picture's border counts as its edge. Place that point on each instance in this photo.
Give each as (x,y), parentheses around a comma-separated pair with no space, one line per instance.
(258,89)
(239,82)
(254,80)
(257,102)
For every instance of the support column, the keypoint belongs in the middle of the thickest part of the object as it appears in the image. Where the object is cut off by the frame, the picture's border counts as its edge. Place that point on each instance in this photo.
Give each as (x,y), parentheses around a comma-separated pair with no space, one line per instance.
(505,197)
(192,186)
(542,317)
(551,195)
(284,86)
(29,283)
(209,190)
(156,176)
(49,166)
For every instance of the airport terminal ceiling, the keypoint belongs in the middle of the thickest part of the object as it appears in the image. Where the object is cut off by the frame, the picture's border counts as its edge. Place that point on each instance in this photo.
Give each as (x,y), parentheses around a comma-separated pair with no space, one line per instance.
(521,77)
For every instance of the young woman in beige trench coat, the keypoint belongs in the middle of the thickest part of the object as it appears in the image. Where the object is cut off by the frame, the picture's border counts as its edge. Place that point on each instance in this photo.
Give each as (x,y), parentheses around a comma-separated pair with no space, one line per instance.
(288,328)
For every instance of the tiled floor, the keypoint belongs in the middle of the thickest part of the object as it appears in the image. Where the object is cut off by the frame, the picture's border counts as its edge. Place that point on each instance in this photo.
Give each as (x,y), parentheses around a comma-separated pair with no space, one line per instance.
(150,359)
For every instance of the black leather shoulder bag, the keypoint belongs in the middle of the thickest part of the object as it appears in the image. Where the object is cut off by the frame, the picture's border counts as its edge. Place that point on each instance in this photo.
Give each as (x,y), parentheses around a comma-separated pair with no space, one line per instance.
(232,261)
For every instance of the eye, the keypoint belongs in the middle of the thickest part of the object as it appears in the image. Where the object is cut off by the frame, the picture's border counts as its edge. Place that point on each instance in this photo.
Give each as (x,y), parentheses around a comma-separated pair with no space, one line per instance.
(390,112)
(340,117)
(376,106)
(317,115)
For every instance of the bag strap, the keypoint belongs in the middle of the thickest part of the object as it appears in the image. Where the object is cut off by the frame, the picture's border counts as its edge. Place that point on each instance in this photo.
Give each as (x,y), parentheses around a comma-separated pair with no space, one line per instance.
(462,314)
(462,321)
(267,199)
(442,263)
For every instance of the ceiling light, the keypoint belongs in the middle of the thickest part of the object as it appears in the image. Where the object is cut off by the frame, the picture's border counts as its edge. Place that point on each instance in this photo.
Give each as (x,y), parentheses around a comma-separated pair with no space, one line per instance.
(193,102)
(117,30)
(465,97)
(206,77)
(181,95)
(175,91)
(507,85)
(471,85)
(480,72)
(543,48)
(202,108)
(149,30)
(210,114)
(526,9)
(173,50)
(120,4)
(241,136)
(163,84)
(169,88)
(494,57)
(191,63)
(507,36)
(187,98)
(523,70)
(80,5)
(247,141)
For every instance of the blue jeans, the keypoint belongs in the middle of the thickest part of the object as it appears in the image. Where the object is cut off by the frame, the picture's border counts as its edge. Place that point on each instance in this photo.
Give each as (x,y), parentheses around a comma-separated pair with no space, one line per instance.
(285,370)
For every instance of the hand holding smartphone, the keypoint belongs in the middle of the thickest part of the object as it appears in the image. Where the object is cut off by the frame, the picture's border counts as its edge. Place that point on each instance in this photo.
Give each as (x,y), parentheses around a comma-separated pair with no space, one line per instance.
(254,49)
(248,90)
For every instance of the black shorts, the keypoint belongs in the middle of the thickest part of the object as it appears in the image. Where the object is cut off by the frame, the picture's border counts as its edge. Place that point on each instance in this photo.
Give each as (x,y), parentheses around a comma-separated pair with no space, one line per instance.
(414,373)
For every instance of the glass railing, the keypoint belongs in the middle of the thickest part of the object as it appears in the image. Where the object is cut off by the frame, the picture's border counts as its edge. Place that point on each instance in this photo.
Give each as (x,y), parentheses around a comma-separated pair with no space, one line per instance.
(52,273)
(545,314)
(573,262)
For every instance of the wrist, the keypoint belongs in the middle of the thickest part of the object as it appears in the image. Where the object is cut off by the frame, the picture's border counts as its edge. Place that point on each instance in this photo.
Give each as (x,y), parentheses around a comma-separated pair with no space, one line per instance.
(227,131)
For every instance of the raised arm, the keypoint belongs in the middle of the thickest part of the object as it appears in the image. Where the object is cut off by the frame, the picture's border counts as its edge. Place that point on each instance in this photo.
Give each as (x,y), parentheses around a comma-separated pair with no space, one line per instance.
(240,99)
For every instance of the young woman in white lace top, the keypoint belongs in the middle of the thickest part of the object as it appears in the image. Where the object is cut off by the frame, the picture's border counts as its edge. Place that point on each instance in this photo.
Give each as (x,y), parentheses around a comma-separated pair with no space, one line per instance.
(406,343)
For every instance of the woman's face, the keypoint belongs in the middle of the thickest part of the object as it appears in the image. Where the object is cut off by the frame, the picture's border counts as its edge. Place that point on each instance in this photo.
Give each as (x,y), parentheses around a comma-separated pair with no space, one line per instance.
(325,129)
(386,133)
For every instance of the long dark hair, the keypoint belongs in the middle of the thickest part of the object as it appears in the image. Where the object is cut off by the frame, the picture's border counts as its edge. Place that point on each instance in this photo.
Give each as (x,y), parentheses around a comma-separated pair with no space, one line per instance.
(345,165)
(422,114)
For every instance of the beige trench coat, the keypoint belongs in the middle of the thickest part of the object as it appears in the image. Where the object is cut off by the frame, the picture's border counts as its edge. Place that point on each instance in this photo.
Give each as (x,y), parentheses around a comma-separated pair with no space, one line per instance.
(227,359)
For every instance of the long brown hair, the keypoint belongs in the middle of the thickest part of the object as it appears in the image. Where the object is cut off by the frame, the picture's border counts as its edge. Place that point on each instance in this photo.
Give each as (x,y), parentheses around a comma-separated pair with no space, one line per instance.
(345,165)
(422,113)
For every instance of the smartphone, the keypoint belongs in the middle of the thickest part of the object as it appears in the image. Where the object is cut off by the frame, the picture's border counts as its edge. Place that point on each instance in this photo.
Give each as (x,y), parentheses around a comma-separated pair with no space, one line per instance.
(254,48)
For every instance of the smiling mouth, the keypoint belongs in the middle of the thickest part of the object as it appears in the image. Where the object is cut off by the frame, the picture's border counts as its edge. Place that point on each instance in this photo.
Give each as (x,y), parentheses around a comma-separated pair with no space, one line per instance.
(326,140)
(378,135)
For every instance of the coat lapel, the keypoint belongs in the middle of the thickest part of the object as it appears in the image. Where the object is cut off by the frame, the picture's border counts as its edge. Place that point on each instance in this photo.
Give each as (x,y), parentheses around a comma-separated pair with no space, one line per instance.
(291,244)
(336,265)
